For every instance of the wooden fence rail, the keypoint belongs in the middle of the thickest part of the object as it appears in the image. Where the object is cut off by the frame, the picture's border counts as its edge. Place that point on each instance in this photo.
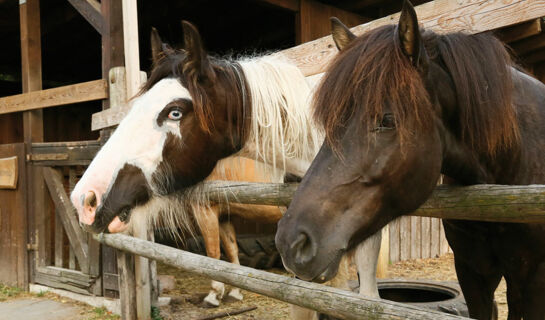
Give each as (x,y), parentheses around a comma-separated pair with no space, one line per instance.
(335,302)
(493,203)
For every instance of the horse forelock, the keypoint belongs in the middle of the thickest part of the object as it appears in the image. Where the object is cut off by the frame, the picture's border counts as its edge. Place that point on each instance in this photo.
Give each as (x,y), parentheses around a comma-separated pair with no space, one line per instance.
(365,79)
(379,75)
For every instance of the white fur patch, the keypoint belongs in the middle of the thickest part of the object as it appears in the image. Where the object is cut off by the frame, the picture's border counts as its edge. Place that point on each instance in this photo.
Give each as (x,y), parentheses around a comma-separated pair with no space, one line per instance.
(138,140)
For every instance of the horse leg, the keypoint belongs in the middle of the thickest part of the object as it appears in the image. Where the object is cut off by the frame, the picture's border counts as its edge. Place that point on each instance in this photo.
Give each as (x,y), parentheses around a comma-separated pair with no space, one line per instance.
(534,295)
(366,256)
(229,241)
(476,267)
(207,220)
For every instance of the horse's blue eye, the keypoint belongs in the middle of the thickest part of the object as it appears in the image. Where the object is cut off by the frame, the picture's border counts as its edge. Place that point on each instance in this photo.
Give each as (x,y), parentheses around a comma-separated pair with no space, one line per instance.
(175,115)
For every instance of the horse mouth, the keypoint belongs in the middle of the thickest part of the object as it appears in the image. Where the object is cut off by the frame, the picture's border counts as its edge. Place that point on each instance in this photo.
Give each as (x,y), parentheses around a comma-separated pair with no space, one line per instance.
(330,270)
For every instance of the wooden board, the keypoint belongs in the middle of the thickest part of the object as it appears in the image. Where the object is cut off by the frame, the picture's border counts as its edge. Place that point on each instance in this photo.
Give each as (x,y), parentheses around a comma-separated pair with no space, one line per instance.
(80,92)
(13,223)
(441,16)
(8,173)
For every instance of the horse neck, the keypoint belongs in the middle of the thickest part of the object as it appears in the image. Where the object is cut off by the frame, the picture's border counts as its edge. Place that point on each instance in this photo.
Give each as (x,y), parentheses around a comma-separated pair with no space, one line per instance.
(281,133)
(521,163)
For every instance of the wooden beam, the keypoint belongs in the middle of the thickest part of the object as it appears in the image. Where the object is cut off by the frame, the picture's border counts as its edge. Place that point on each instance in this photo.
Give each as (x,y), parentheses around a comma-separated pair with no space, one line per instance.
(118,100)
(90,10)
(529,44)
(80,92)
(440,16)
(520,31)
(67,213)
(291,5)
(33,131)
(132,54)
(494,203)
(336,302)
(312,21)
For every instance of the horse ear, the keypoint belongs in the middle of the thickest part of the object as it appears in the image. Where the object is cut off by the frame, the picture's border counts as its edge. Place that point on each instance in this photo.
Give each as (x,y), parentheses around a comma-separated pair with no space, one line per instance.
(341,34)
(156,45)
(410,38)
(197,62)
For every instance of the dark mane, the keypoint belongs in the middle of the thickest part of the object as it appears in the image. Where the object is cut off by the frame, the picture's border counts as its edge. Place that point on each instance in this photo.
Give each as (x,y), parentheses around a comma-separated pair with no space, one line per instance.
(372,74)
(173,64)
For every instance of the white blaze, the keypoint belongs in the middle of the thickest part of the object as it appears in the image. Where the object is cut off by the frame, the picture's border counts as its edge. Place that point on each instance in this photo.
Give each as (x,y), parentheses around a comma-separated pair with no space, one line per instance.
(138,141)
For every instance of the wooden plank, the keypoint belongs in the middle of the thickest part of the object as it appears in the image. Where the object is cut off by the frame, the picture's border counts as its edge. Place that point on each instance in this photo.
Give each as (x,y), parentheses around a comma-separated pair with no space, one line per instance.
(118,101)
(59,240)
(67,213)
(312,21)
(142,279)
(127,285)
(426,237)
(71,259)
(405,238)
(291,5)
(520,31)
(132,55)
(79,153)
(435,238)
(112,39)
(80,92)
(90,10)
(394,241)
(529,44)
(335,302)
(439,15)
(9,173)
(13,224)
(443,243)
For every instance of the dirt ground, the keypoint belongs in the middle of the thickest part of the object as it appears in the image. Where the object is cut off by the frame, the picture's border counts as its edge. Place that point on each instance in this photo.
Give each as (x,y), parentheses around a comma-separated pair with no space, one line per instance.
(190,290)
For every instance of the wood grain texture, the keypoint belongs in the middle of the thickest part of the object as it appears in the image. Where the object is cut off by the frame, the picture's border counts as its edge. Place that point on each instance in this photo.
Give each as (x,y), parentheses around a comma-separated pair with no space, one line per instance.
(494,203)
(441,16)
(86,91)
(335,302)
(132,55)
(9,172)
(520,31)
(90,10)
(291,5)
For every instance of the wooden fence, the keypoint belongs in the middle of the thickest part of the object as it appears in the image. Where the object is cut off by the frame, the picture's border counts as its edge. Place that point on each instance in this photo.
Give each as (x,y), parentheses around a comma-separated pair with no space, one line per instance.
(493,203)
(335,302)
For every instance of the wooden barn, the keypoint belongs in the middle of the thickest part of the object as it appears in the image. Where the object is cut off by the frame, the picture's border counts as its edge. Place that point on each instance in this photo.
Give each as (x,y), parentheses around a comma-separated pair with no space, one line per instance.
(62,93)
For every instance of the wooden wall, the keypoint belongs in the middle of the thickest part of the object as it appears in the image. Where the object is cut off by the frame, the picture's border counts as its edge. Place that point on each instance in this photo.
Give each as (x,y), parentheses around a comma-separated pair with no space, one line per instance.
(417,237)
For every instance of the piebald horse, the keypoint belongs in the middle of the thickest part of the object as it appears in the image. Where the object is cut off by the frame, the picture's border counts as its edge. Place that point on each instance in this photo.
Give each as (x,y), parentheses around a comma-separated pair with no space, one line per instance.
(400,106)
(193,111)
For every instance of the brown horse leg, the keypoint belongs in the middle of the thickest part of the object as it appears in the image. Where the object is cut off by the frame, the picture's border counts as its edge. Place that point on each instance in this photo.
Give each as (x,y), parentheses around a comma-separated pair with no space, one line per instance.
(514,298)
(534,295)
(229,241)
(478,291)
(208,222)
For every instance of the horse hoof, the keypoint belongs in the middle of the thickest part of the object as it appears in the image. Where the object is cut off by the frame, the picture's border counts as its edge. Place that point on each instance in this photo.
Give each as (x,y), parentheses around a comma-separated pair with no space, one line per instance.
(235,295)
(211,301)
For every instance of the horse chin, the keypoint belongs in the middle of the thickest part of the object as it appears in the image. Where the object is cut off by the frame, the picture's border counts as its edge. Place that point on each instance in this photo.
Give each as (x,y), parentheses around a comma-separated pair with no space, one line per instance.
(117,225)
(329,272)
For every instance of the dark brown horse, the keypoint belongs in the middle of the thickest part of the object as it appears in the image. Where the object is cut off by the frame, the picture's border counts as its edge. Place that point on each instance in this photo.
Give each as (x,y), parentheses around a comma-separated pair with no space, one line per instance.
(400,106)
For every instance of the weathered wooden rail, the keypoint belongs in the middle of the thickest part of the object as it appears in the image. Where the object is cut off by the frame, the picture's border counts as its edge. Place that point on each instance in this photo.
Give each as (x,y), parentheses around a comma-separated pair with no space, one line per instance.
(493,203)
(335,302)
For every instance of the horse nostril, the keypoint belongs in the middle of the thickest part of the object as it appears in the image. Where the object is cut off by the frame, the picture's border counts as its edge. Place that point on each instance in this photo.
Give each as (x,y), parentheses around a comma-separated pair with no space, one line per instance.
(90,200)
(304,248)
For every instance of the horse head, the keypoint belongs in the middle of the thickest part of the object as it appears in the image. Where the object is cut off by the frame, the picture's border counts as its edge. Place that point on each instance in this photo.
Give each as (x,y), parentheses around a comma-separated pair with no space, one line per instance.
(399,107)
(179,125)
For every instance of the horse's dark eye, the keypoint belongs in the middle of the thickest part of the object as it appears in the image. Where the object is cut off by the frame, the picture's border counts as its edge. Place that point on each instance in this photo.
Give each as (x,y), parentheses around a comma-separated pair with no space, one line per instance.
(388,121)
(175,115)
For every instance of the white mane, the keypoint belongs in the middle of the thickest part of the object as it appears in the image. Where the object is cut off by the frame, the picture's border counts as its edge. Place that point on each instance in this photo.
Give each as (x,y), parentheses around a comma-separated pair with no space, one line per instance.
(281,126)
(281,130)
